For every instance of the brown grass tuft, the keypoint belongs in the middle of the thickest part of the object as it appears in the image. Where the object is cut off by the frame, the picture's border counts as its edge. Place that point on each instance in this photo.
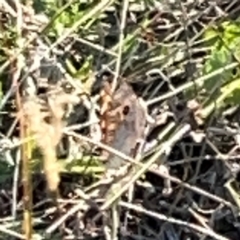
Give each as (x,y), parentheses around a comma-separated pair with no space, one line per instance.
(47,126)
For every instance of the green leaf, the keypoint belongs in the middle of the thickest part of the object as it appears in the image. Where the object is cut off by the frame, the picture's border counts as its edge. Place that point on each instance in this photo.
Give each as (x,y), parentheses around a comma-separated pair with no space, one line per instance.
(231,91)
(229,94)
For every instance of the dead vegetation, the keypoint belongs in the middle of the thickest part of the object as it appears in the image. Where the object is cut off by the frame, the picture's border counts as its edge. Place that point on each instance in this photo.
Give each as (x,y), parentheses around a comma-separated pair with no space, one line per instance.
(128,112)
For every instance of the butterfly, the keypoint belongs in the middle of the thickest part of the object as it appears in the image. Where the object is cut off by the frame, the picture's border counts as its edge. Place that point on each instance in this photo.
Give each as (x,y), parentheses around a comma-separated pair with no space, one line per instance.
(123,121)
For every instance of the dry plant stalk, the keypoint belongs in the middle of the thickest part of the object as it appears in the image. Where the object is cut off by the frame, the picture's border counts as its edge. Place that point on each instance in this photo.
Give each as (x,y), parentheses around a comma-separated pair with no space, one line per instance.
(47,126)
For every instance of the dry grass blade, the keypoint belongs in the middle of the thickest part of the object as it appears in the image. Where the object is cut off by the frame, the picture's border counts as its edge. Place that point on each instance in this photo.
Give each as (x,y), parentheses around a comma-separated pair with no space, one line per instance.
(11,233)
(120,46)
(195,227)
(122,186)
(55,58)
(26,179)
(198,81)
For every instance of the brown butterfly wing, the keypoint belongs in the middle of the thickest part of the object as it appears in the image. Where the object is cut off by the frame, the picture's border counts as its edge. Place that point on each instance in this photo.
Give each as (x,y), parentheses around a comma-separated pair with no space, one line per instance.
(124,124)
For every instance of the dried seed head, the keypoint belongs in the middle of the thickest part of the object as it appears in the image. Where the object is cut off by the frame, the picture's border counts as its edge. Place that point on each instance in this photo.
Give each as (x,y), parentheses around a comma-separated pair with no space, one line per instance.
(47,127)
